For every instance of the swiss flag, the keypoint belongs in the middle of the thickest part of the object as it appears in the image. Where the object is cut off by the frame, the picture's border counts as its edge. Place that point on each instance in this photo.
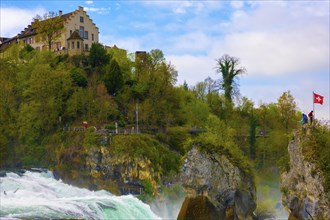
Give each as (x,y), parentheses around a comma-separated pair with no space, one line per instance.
(318,99)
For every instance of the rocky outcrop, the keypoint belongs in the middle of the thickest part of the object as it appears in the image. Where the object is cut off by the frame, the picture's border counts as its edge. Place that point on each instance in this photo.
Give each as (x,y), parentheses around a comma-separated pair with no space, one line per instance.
(303,186)
(198,207)
(126,164)
(211,178)
(126,171)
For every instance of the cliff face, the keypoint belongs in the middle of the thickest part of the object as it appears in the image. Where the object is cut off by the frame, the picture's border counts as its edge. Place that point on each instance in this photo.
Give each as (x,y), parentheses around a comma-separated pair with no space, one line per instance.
(128,164)
(127,172)
(303,186)
(227,191)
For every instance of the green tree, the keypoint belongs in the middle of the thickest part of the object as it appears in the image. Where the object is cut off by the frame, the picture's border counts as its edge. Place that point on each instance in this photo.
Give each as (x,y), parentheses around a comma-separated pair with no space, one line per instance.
(125,63)
(196,112)
(252,136)
(248,118)
(156,57)
(262,115)
(78,77)
(113,78)
(287,110)
(48,27)
(77,105)
(9,97)
(44,102)
(98,55)
(200,91)
(185,85)
(27,52)
(105,107)
(229,68)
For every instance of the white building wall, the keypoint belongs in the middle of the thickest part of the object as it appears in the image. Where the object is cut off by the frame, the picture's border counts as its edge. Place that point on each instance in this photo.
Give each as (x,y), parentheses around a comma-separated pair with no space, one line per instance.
(73,23)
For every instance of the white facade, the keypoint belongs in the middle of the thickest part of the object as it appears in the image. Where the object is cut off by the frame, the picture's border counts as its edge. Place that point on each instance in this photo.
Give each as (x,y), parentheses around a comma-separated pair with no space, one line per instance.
(79,20)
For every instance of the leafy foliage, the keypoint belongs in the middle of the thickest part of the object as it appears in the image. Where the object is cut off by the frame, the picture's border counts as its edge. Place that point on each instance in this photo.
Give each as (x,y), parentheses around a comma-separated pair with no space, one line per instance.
(48,27)
(219,139)
(113,78)
(316,149)
(229,69)
(144,146)
(43,94)
(78,77)
(98,56)
(27,52)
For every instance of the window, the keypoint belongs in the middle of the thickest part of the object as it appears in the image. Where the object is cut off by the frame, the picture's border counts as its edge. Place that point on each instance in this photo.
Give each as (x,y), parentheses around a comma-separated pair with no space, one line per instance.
(86,35)
(78,44)
(81,19)
(92,36)
(72,45)
(86,46)
(81,31)
(70,32)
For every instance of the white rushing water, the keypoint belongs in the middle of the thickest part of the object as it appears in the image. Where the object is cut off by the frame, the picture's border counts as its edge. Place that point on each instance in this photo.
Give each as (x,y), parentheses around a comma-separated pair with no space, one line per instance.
(39,195)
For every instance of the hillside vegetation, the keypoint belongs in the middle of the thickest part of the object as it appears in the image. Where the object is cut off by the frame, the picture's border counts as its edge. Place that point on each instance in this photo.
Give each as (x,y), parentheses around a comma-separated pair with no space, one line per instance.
(45,96)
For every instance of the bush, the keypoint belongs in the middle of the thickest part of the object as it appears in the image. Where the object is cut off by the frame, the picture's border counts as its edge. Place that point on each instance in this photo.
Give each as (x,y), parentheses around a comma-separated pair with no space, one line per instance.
(110,126)
(121,123)
(210,142)
(316,149)
(91,138)
(79,60)
(78,77)
(176,136)
(27,52)
(144,146)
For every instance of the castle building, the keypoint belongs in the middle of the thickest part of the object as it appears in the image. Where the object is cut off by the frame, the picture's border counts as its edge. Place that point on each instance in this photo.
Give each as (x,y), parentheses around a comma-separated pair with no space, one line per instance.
(78,35)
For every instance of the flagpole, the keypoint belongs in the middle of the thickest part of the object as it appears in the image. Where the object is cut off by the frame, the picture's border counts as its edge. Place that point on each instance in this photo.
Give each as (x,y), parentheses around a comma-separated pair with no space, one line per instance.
(313,106)
(137,117)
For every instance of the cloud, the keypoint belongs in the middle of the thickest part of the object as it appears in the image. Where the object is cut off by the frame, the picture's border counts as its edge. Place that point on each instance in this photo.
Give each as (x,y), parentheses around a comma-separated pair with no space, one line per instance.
(184,7)
(270,39)
(98,10)
(273,41)
(237,4)
(277,53)
(279,40)
(192,69)
(89,2)
(193,42)
(14,20)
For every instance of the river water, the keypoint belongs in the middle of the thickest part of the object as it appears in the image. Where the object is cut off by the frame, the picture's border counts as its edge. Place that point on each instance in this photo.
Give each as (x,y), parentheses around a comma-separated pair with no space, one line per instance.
(39,196)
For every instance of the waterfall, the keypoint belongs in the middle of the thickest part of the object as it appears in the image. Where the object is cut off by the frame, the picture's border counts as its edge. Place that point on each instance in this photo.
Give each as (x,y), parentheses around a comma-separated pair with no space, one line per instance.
(39,195)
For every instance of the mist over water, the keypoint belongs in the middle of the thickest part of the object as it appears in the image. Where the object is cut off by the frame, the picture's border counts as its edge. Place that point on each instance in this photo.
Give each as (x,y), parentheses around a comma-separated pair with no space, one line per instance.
(269,196)
(167,208)
(39,195)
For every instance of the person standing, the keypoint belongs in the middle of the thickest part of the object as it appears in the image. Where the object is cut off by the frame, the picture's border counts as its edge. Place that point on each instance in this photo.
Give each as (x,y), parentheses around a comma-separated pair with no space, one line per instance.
(311,116)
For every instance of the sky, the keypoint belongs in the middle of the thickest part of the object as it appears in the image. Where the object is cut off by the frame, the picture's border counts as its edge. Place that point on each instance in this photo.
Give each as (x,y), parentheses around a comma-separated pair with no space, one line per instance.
(283,45)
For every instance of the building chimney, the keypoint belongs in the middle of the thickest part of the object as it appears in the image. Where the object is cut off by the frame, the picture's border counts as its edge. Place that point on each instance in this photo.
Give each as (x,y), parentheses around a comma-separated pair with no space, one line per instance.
(80,8)
(60,13)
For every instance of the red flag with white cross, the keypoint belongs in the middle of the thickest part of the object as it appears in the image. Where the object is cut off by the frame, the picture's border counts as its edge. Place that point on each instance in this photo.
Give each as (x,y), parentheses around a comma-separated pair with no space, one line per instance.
(318,99)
